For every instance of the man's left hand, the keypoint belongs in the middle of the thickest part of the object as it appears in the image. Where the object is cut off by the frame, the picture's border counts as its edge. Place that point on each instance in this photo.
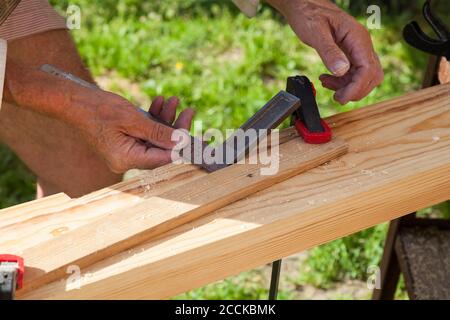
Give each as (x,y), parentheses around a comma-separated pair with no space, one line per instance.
(343,44)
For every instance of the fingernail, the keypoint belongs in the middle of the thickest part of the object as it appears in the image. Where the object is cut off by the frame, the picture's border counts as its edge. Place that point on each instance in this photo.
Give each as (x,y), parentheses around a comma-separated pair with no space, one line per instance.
(340,68)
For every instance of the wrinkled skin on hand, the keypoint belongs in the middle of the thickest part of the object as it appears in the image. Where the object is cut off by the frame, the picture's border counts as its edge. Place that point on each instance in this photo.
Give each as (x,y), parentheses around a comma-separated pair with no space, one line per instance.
(115,129)
(127,138)
(56,126)
(343,44)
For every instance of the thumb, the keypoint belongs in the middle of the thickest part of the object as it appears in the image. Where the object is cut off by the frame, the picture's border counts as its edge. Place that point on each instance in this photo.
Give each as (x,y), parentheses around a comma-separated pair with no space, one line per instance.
(333,57)
(149,158)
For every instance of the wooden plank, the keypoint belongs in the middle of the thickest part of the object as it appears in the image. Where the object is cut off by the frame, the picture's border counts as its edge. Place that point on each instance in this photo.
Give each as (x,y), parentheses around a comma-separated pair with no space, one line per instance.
(399,162)
(124,229)
(29,224)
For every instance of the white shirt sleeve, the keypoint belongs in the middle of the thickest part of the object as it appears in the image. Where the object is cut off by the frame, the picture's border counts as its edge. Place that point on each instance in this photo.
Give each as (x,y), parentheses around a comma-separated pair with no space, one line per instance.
(248,7)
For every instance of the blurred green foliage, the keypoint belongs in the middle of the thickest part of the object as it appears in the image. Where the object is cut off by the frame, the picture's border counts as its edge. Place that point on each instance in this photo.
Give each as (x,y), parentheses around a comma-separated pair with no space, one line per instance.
(245,286)
(16,182)
(227,66)
(241,287)
(346,258)
(221,63)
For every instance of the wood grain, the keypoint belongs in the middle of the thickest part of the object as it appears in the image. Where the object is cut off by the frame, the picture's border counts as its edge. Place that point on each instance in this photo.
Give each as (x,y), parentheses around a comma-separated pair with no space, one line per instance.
(45,219)
(398,162)
(124,229)
(34,222)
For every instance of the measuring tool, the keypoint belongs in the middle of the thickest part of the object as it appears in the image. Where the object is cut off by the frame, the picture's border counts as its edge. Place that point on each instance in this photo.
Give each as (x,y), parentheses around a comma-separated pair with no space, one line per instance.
(237,146)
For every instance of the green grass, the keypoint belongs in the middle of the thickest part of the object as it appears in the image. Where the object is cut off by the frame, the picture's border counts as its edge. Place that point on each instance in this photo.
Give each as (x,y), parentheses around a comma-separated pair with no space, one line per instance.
(16,182)
(247,285)
(346,258)
(226,66)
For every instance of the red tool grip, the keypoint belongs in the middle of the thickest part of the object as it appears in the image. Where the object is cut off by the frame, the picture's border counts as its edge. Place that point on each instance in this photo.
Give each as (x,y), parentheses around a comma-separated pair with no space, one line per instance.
(20,266)
(314,137)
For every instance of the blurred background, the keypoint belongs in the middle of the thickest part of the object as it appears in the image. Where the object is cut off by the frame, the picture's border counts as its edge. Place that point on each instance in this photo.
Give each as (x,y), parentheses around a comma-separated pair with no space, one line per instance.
(227,66)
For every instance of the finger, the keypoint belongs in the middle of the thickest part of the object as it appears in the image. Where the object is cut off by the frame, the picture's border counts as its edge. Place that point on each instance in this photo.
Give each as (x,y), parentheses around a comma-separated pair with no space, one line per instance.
(156,106)
(366,66)
(378,78)
(151,131)
(356,89)
(333,82)
(364,80)
(331,85)
(333,57)
(142,157)
(184,120)
(374,82)
(169,110)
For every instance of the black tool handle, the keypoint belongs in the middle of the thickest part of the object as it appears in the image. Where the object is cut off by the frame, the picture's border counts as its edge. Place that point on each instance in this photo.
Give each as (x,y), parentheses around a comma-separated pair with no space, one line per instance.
(7,284)
(414,35)
(308,113)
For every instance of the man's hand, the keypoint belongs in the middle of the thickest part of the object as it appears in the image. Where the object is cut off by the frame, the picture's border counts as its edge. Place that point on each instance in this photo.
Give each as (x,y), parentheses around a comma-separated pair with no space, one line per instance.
(117,130)
(128,139)
(343,44)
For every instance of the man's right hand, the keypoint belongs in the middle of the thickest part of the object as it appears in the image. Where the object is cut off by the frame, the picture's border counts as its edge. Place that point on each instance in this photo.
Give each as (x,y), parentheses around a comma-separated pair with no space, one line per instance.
(120,132)
(117,130)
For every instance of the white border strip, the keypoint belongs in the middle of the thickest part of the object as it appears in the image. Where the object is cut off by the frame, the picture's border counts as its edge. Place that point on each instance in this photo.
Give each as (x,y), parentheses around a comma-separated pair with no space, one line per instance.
(3,48)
